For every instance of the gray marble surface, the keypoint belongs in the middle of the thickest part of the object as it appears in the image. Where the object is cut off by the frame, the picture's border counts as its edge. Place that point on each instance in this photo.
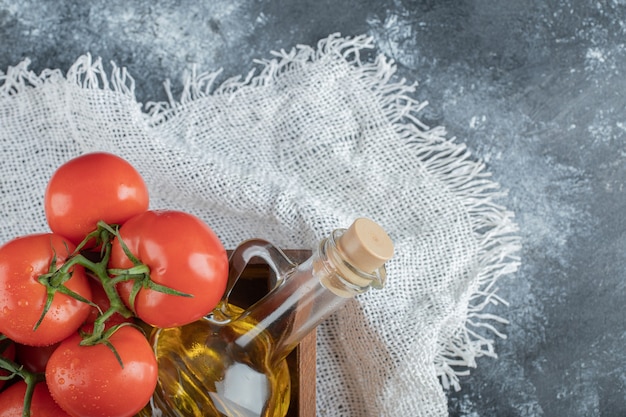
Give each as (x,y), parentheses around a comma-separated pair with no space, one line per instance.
(537,89)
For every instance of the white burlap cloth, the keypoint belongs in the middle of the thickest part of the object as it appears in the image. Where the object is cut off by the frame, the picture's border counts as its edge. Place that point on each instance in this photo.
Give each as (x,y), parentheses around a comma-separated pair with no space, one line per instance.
(313,140)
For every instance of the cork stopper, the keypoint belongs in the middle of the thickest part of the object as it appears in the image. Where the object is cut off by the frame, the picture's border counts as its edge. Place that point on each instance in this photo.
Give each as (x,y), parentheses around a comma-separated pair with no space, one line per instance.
(366,245)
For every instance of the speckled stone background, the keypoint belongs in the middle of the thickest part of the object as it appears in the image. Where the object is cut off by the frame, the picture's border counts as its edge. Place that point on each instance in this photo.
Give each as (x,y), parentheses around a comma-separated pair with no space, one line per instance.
(536,89)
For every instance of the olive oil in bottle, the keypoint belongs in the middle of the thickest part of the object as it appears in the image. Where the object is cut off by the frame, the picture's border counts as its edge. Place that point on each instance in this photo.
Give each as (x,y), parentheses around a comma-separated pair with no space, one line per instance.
(202,373)
(232,363)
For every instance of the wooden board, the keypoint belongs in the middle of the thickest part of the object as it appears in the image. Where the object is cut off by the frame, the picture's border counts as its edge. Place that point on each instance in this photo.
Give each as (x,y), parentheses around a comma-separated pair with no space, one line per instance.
(253,285)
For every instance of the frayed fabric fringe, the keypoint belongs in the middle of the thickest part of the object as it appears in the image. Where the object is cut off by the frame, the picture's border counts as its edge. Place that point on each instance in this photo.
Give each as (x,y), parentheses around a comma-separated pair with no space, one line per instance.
(451,162)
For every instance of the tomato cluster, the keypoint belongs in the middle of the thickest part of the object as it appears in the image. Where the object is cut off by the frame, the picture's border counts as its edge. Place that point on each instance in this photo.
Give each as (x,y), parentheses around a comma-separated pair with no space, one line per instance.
(78,300)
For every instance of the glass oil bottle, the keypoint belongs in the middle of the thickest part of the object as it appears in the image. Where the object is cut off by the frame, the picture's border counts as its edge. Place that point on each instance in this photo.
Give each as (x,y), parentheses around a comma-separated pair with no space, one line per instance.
(232,362)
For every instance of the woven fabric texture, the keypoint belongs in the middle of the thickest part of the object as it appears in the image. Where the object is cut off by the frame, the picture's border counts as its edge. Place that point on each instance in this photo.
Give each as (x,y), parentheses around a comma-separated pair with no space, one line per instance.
(311,140)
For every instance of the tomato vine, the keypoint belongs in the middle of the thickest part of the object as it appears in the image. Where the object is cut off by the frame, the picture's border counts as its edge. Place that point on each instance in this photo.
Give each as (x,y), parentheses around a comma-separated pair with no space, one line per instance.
(109,270)
(16,370)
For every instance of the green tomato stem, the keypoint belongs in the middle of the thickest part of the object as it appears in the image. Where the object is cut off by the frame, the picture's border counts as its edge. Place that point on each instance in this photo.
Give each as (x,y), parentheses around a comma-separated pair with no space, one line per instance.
(30,378)
(139,273)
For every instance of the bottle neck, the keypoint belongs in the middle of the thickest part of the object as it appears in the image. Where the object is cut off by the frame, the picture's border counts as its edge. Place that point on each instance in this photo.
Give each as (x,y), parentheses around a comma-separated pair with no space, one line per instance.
(311,292)
(341,276)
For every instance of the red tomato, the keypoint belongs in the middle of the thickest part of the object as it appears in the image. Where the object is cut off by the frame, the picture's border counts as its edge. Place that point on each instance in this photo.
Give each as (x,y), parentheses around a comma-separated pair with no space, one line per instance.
(42,405)
(22,297)
(34,358)
(89,381)
(90,188)
(184,254)
(8,351)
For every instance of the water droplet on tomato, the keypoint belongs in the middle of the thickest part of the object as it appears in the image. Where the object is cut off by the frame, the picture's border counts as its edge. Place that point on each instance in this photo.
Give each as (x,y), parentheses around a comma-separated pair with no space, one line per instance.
(23,303)
(61,381)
